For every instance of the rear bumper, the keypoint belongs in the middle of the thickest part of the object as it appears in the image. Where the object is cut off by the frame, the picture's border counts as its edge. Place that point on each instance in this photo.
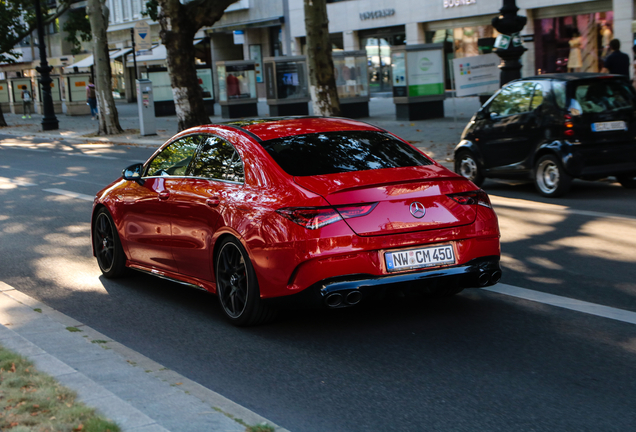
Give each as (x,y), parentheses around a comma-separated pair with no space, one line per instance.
(351,289)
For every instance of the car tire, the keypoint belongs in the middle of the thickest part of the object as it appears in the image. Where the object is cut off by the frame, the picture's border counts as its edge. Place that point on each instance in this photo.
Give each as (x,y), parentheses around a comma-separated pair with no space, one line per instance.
(550,178)
(108,251)
(467,166)
(627,181)
(237,286)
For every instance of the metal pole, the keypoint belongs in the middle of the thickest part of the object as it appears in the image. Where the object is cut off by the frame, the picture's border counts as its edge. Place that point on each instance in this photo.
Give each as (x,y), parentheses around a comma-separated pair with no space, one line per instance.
(49,121)
(132,36)
(509,23)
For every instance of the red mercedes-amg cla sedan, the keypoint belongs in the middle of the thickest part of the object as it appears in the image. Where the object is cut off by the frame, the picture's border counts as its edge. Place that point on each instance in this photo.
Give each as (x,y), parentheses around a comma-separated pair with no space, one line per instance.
(296,210)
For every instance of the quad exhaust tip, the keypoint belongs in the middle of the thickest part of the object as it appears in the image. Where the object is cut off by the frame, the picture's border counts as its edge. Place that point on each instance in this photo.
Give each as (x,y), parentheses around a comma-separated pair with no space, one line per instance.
(487,278)
(337,299)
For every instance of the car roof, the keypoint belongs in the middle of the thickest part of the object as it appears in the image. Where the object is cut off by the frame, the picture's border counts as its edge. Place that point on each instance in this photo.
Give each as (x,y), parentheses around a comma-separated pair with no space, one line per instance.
(278,127)
(571,76)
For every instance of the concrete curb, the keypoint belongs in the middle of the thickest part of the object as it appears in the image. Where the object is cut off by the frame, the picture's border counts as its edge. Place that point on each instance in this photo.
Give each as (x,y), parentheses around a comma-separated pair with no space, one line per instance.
(136,392)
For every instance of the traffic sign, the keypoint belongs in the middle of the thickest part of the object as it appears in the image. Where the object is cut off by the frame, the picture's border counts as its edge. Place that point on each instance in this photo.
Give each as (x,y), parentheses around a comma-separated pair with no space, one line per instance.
(143,41)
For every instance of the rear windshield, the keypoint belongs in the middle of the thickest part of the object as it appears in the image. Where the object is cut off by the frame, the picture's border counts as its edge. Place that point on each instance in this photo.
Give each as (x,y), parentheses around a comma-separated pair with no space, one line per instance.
(338,152)
(603,95)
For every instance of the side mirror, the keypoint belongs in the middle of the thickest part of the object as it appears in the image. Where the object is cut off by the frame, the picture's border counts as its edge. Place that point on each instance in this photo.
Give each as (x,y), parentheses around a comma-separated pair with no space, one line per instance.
(133,173)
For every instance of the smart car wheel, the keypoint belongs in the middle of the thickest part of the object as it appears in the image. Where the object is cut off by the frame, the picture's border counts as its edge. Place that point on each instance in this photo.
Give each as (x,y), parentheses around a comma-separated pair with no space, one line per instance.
(237,286)
(110,255)
(467,166)
(549,177)
(627,181)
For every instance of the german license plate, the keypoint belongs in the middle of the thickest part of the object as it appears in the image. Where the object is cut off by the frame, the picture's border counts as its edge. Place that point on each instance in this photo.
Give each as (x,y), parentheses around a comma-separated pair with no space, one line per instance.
(609,126)
(418,258)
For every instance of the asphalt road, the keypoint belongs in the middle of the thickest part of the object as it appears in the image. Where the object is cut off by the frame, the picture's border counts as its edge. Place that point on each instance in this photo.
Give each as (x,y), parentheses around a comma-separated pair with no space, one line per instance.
(481,361)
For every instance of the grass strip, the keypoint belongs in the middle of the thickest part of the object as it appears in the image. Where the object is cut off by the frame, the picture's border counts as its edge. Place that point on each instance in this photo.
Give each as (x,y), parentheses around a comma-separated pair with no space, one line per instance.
(33,401)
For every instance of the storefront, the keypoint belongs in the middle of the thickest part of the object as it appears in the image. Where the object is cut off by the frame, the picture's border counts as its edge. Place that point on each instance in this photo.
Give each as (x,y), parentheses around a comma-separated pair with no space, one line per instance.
(573,42)
(377,43)
(464,26)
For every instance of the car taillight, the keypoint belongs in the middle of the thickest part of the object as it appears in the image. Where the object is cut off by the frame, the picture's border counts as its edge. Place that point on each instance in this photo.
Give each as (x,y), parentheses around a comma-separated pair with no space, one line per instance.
(318,217)
(478,197)
(568,125)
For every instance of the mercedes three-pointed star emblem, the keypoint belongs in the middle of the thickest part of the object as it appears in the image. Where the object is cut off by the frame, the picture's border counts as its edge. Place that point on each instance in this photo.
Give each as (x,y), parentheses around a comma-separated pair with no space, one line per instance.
(417,209)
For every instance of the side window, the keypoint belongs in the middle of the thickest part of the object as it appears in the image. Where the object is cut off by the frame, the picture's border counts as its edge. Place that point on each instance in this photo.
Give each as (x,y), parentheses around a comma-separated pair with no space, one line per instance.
(513,99)
(558,87)
(537,97)
(174,159)
(218,160)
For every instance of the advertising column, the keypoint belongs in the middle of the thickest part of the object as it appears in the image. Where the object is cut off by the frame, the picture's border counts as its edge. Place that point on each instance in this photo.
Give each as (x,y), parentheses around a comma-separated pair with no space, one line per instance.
(418,81)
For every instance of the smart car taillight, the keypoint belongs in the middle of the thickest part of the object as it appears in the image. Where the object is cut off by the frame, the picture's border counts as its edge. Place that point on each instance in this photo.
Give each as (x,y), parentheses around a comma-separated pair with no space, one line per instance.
(318,217)
(478,197)
(568,125)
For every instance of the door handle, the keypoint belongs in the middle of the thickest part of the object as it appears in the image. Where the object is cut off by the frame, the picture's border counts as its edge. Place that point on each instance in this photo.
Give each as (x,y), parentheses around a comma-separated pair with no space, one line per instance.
(213,202)
(164,195)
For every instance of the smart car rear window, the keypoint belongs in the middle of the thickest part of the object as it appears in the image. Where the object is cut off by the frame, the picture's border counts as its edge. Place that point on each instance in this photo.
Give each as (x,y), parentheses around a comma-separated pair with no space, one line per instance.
(603,96)
(338,152)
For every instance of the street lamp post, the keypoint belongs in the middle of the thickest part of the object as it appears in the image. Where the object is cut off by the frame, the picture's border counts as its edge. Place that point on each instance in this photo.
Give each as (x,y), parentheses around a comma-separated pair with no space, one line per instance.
(49,121)
(510,24)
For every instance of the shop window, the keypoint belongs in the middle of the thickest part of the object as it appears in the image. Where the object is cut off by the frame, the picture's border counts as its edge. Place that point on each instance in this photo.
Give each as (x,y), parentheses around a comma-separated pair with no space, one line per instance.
(576,43)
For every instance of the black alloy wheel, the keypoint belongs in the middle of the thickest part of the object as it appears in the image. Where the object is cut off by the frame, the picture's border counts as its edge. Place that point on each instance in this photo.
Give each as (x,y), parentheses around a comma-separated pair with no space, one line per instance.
(237,286)
(550,179)
(110,255)
(467,166)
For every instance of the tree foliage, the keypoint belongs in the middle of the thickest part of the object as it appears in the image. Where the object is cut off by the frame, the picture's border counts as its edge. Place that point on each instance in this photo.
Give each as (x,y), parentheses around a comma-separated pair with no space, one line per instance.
(78,29)
(17,21)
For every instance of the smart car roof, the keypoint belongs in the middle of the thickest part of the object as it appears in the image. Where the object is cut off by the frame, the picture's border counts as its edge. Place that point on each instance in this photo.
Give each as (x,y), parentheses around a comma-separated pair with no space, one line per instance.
(570,76)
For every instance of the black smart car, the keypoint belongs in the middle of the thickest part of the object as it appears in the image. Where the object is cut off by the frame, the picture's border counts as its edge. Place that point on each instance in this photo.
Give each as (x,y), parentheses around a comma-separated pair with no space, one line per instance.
(553,128)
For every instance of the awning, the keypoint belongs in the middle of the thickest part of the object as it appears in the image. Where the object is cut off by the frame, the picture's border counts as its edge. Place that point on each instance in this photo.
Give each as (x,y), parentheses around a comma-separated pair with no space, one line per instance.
(82,64)
(157,57)
(266,22)
(119,53)
(88,61)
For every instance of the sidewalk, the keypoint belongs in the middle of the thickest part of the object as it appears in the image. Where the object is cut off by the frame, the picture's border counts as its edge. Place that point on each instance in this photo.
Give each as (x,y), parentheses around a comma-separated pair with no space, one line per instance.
(436,137)
(127,387)
(137,393)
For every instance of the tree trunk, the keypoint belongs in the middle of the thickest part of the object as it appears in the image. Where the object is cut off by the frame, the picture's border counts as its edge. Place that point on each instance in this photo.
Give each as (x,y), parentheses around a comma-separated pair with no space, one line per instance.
(3,122)
(177,34)
(322,80)
(108,117)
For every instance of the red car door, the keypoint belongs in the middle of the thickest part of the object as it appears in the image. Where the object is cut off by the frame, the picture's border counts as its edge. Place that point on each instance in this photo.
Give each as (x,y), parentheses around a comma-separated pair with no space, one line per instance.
(207,200)
(150,206)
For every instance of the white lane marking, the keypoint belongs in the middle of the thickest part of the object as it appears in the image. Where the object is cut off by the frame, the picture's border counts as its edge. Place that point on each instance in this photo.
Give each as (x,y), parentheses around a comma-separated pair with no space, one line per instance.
(551,208)
(565,302)
(70,194)
(15,182)
(86,155)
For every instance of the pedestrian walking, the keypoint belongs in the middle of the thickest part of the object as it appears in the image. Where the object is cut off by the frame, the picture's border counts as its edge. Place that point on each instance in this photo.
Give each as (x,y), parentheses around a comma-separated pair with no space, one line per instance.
(26,102)
(91,98)
(617,62)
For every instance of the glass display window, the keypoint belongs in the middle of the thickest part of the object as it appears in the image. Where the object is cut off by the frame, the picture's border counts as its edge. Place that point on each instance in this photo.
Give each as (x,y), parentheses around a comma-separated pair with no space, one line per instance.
(204,77)
(351,77)
(161,86)
(77,87)
(4,92)
(291,80)
(236,82)
(576,43)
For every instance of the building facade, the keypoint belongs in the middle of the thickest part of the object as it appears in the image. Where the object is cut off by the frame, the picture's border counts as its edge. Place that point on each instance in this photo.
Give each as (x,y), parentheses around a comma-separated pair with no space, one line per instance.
(257,29)
(464,26)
